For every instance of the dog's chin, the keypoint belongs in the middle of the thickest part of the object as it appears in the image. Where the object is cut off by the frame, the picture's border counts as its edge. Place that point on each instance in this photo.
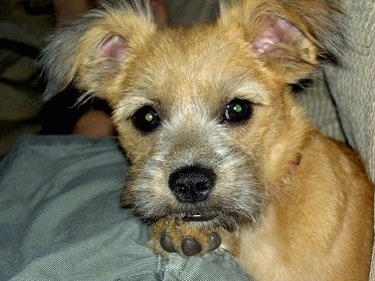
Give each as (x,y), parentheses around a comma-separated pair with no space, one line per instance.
(201,214)
(209,219)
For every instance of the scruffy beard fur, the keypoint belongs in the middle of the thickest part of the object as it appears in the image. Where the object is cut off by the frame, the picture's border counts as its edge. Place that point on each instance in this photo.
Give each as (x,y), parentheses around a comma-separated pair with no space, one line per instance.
(222,157)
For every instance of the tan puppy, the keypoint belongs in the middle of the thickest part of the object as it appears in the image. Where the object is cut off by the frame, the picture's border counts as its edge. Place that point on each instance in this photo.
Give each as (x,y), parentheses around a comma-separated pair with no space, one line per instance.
(221,154)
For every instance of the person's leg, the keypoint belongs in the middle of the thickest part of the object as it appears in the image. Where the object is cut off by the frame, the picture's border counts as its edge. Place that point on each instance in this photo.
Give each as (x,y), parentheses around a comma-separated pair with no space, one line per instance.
(68,9)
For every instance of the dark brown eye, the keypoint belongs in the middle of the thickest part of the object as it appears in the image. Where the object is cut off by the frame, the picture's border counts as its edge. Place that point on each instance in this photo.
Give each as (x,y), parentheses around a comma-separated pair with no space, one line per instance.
(238,110)
(146,119)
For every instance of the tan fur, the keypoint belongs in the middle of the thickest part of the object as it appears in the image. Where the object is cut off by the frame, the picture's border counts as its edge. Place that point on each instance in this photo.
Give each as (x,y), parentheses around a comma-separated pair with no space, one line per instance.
(288,203)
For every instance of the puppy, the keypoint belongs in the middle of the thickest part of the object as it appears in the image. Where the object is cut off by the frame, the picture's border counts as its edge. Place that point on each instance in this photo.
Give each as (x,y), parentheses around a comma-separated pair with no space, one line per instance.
(221,155)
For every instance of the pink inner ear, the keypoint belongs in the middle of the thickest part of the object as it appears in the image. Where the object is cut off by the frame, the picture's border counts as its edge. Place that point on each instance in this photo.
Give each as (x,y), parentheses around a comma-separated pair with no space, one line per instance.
(114,47)
(280,31)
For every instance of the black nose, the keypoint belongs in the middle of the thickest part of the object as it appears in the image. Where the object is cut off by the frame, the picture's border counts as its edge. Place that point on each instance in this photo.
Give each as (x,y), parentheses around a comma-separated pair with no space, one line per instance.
(192,184)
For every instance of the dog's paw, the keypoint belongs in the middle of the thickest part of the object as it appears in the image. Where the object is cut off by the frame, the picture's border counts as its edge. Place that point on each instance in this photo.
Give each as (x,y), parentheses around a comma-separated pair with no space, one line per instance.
(190,246)
(171,236)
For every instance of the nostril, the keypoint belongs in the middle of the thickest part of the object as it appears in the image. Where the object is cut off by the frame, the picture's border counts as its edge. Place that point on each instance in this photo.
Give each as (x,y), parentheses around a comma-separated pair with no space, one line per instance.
(192,184)
(201,186)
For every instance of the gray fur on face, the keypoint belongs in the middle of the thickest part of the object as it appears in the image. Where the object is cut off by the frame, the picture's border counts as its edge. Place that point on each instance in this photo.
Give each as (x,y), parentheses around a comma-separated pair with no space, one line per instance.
(200,142)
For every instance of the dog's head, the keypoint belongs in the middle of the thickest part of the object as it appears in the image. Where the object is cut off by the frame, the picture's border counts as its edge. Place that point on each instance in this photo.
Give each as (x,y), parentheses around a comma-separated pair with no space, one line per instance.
(204,113)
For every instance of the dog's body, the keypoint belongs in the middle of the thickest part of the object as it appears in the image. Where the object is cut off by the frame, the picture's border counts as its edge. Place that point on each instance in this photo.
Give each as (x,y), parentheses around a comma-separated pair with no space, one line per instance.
(221,154)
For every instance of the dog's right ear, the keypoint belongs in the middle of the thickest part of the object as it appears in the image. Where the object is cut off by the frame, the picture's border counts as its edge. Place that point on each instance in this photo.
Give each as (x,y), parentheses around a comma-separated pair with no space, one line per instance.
(91,51)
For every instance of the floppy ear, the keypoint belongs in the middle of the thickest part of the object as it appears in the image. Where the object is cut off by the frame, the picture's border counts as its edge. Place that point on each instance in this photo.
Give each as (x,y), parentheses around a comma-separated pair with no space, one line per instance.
(91,51)
(291,37)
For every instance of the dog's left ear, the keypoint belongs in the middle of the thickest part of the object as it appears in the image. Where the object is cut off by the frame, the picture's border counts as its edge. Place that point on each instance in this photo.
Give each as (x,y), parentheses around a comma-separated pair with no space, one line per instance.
(291,37)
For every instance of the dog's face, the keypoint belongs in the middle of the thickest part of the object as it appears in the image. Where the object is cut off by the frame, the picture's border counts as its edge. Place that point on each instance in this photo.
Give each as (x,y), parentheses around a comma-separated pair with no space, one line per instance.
(193,119)
(204,113)
(200,119)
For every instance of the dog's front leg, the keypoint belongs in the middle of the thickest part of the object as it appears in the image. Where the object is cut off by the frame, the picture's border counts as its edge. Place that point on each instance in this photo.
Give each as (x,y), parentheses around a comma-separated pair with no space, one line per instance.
(170,235)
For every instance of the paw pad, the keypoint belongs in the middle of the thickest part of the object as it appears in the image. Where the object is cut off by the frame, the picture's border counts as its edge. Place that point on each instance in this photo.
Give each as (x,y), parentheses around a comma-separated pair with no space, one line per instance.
(190,246)
(215,241)
(167,244)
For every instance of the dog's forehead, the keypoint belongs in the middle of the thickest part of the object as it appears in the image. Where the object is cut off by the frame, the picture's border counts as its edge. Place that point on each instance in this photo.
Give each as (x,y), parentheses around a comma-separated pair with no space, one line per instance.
(203,64)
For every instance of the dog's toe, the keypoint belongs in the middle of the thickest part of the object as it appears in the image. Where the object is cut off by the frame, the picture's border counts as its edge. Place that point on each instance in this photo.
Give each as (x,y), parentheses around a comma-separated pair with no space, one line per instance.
(167,243)
(215,241)
(191,247)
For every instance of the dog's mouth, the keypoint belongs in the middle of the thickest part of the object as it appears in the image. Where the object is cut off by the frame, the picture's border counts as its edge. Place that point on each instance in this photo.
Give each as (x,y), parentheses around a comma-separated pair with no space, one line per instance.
(198,217)
(212,218)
